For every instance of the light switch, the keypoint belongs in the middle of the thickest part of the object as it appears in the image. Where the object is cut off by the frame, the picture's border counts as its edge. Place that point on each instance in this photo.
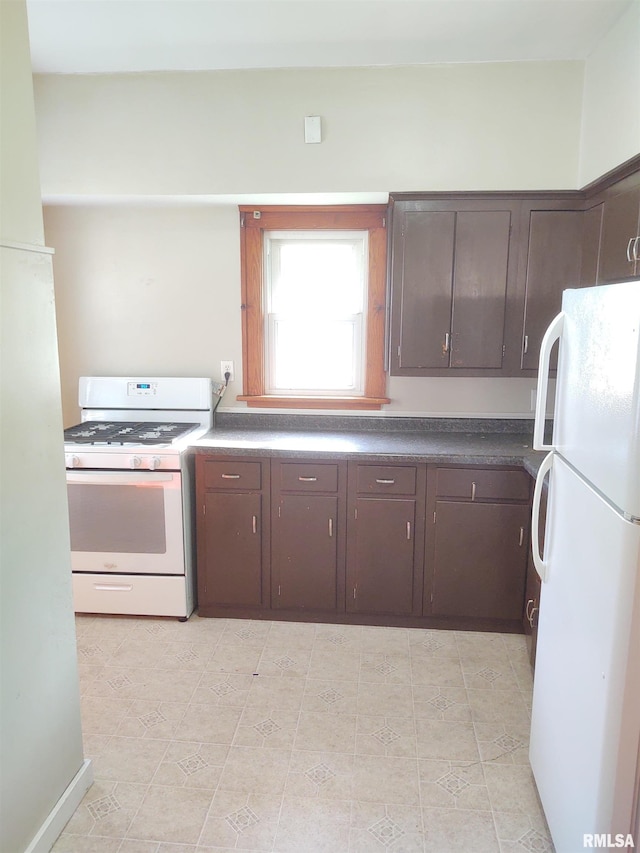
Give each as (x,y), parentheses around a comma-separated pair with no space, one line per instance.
(312,129)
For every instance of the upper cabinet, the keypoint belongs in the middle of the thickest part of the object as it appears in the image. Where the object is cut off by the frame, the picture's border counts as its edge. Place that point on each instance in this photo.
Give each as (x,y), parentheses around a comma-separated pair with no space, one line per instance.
(620,239)
(552,265)
(476,278)
(450,269)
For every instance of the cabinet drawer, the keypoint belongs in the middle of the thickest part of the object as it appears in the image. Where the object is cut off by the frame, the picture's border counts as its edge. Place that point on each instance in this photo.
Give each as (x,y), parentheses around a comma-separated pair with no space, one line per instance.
(482,484)
(308,477)
(386,480)
(220,474)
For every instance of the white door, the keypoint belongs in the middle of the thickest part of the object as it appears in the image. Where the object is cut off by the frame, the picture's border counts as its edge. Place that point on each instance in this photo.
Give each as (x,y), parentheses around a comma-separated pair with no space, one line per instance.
(597,415)
(586,699)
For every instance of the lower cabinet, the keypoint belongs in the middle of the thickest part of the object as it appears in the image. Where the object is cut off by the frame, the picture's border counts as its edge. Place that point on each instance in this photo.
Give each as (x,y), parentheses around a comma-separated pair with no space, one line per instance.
(308,535)
(232,531)
(396,543)
(477,549)
(385,539)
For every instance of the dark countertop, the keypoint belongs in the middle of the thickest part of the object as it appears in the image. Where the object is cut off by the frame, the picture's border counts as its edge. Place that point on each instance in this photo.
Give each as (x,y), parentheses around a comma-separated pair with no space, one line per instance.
(382,445)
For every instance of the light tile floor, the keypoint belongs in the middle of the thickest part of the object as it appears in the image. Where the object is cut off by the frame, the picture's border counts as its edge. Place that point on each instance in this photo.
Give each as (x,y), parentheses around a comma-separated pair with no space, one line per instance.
(222,734)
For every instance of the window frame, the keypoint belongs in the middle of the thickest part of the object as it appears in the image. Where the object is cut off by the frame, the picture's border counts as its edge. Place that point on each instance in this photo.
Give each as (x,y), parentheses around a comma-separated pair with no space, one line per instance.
(253,223)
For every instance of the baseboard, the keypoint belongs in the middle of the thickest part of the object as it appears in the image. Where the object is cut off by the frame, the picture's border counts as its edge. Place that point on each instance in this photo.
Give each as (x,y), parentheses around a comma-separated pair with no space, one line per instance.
(46,836)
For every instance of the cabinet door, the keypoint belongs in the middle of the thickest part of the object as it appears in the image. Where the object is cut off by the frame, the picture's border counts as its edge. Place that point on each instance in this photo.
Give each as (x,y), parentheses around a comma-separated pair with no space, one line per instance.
(304,555)
(231,527)
(479,288)
(422,282)
(480,553)
(380,557)
(620,227)
(591,230)
(553,264)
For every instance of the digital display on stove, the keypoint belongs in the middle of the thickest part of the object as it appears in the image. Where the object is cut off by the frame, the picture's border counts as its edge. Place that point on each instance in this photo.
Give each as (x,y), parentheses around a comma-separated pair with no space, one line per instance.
(142,389)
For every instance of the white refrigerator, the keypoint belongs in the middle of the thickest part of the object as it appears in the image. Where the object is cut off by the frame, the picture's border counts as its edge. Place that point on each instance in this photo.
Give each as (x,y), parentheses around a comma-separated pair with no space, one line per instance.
(585,728)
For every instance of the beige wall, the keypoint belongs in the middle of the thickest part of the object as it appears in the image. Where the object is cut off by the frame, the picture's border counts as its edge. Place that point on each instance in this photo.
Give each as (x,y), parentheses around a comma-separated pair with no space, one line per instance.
(482,126)
(611,115)
(156,288)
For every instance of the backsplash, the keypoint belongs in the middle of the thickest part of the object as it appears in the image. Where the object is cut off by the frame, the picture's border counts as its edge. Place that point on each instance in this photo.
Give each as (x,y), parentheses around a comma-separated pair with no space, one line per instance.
(364,423)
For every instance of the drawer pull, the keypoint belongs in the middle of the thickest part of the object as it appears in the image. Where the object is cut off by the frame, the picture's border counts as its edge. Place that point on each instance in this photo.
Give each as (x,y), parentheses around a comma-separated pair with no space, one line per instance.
(531,611)
(447,343)
(113,587)
(473,491)
(408,530)
(526,345)
(385,482)
(521,539)
(330,527)
(254,524)
(230,476)
(308,479)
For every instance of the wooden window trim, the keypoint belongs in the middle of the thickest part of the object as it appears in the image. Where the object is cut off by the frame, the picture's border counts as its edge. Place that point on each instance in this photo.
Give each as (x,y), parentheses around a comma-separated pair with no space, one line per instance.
(253,223)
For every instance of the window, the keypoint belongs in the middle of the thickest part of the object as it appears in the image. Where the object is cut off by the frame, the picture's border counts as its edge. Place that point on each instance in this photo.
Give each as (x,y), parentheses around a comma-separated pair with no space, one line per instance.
(313,306)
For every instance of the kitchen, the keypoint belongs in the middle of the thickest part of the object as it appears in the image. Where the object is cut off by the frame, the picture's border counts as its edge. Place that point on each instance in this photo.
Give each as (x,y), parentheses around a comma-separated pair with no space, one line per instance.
(111,255)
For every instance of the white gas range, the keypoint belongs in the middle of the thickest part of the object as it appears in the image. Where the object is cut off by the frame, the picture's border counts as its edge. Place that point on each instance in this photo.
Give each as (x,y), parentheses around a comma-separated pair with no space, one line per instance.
(130,484)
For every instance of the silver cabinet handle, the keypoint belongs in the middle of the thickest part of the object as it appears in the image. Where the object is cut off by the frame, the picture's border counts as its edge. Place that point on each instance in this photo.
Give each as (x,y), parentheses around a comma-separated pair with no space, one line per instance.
(636,242)
(526,345)
(330,527)
(230,476)
(629,245)
(473,491)
(254,524)
(447,341)
(521,539)
(385,482)
(408,530)
(307,479)
(530,611)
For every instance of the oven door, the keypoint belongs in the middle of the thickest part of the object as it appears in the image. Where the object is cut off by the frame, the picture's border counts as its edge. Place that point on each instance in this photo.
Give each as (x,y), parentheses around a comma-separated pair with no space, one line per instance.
(126,522)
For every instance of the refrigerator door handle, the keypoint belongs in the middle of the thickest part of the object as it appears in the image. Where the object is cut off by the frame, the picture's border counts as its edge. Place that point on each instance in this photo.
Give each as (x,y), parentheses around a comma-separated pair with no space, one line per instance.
(540,564)
(553,333)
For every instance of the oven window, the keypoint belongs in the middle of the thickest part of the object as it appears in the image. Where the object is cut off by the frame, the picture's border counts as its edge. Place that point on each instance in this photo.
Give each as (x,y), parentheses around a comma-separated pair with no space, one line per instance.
(116,519)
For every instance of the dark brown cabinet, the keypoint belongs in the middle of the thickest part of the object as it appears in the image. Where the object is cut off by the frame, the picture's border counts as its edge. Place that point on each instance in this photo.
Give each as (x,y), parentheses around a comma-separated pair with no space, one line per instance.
(552,265)
(450,266)
(385,539)
(477,546)
(308,535)
(620,239)
(362,541)
(233,529)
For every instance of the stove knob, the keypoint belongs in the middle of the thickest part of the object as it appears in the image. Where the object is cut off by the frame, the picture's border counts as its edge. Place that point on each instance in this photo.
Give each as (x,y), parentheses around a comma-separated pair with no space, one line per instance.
(154,463)
(135,462)
(72,461)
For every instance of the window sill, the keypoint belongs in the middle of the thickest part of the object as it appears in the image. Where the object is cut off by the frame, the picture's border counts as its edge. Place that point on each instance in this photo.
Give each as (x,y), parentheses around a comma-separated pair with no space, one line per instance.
(267,401)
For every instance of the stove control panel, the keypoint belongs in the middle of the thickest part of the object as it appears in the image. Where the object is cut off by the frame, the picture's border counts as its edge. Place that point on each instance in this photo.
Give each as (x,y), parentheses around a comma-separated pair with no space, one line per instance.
(109,461)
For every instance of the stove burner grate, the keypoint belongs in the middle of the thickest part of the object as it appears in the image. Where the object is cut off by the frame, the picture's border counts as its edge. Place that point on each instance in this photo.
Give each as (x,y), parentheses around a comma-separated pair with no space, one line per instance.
(126,432)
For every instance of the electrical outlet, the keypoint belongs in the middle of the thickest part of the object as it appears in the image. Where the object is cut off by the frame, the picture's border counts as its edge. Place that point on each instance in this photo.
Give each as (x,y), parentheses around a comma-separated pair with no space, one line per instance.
(226,367)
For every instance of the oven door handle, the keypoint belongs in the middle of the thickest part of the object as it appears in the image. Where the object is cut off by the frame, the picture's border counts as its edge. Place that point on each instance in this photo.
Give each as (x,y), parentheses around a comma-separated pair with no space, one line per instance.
(119,478)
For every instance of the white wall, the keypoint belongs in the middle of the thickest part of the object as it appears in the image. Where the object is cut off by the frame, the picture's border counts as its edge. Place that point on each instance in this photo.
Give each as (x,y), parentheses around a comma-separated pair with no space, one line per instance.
(481,126)
(149,288)
(40,735)
(611,115)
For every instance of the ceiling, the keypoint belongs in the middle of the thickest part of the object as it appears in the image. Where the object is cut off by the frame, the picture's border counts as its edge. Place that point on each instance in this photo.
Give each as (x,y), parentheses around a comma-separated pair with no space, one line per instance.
(111,36)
